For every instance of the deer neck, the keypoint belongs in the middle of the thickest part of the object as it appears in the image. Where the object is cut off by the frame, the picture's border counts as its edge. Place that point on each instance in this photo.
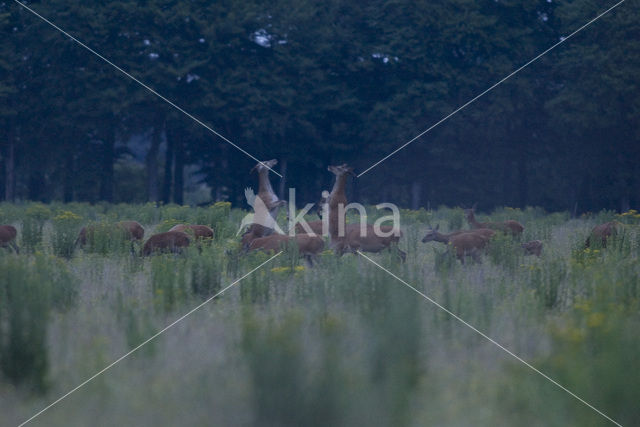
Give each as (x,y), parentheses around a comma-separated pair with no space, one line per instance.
(338,193)
(472,220)
(337,197)
(442,238)
(265,191)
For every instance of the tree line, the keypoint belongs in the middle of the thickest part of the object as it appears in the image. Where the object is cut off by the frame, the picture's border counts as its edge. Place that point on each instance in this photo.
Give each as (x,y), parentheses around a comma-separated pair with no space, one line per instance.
(314,83)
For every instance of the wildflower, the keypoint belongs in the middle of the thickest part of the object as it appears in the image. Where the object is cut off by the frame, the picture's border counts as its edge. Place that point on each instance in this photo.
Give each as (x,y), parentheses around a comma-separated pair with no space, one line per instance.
(595,319)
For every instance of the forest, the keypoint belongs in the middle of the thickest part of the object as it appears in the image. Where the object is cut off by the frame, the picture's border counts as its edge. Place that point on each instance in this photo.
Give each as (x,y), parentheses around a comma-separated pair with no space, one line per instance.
(314,83)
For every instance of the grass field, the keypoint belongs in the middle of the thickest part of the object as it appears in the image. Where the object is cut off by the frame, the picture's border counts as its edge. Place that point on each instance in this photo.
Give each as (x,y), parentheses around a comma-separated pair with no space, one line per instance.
(342,343)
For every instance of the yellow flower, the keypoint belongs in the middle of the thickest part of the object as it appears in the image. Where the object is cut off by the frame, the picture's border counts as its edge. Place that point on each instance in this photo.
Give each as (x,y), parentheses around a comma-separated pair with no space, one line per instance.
(595,319)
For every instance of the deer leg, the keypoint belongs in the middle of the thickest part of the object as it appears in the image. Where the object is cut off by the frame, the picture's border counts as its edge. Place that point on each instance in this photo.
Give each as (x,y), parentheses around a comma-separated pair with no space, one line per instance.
(14,246)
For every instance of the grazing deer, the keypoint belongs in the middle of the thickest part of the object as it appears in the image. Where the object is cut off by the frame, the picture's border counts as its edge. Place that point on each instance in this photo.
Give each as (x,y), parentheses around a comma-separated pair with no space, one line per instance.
(508,226)
(8,235)
(533,247)
(171,241)
(308,246)
(133,230)
(602,232)
(200,232)
(469,243)
(355,236)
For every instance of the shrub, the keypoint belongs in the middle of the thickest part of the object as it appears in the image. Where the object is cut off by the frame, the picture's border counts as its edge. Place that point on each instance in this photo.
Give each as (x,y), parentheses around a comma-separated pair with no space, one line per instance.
(65,231)
(29,290)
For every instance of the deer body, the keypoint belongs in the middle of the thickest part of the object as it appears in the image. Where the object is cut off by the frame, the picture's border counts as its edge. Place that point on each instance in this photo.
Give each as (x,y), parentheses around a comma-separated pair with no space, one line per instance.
(464,243)
(308,246)
(508,226)
(602,232)
(8,235)
(533,247)
(172,241)
(199,231)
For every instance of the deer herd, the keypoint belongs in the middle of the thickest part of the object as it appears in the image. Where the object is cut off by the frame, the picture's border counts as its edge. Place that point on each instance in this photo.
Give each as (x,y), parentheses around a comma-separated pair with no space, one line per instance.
(264,234)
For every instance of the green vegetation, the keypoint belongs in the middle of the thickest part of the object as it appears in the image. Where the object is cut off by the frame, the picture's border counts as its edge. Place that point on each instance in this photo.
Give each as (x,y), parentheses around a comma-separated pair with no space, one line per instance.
(342,343)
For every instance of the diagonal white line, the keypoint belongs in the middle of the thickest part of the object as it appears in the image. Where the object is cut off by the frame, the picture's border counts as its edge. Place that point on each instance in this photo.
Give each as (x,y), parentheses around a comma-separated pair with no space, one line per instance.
(518,358)
(191,116)
(472,100)
(112,364)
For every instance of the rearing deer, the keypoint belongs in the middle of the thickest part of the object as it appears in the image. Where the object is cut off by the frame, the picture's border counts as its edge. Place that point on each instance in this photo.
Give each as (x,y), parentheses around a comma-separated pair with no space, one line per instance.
(508,226)
(354,238)
(265,205)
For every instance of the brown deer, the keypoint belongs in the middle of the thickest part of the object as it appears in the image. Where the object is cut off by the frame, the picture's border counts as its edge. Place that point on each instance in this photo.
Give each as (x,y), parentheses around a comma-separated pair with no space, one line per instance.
(433,233)
(470,243)
(170,241)
(308,246)
(602,232)
(8,235)
(355,238)
(508,226)
(200,232)
(133,230)
(534,247)
(267,201)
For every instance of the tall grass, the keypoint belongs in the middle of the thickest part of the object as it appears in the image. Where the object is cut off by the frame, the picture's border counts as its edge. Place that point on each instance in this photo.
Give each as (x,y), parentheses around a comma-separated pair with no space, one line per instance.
(342,343)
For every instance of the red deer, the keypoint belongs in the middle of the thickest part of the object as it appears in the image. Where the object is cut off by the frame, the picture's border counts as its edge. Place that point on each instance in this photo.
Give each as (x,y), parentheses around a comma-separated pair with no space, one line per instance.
(433,233)
(470,243)
(8,235)
(267,201)
(199,231)
(601,233)
(254,231)
(308,246)
(133,230)
(508,226)
(171,241)
(353,239)
(533,247)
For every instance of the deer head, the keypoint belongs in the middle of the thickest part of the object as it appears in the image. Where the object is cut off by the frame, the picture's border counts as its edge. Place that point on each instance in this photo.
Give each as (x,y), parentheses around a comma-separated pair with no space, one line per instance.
(268,164)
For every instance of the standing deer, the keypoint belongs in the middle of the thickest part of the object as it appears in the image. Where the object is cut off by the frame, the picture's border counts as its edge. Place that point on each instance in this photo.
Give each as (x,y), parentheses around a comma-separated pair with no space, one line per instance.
(172,241)
(465,243)
(508,226)
(8,235)
(602,232)
(355,238)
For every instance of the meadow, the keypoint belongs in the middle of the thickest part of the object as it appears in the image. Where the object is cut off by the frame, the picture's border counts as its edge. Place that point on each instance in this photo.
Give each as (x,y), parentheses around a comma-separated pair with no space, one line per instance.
(342,343)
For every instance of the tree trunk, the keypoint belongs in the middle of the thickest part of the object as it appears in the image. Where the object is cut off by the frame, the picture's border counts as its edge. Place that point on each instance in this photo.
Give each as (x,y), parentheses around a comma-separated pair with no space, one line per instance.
(108,160)
(416,194)
(9,168)
(178,173)
(67,185)
(283,181)
(168,166)
(152,159)
(523,184)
